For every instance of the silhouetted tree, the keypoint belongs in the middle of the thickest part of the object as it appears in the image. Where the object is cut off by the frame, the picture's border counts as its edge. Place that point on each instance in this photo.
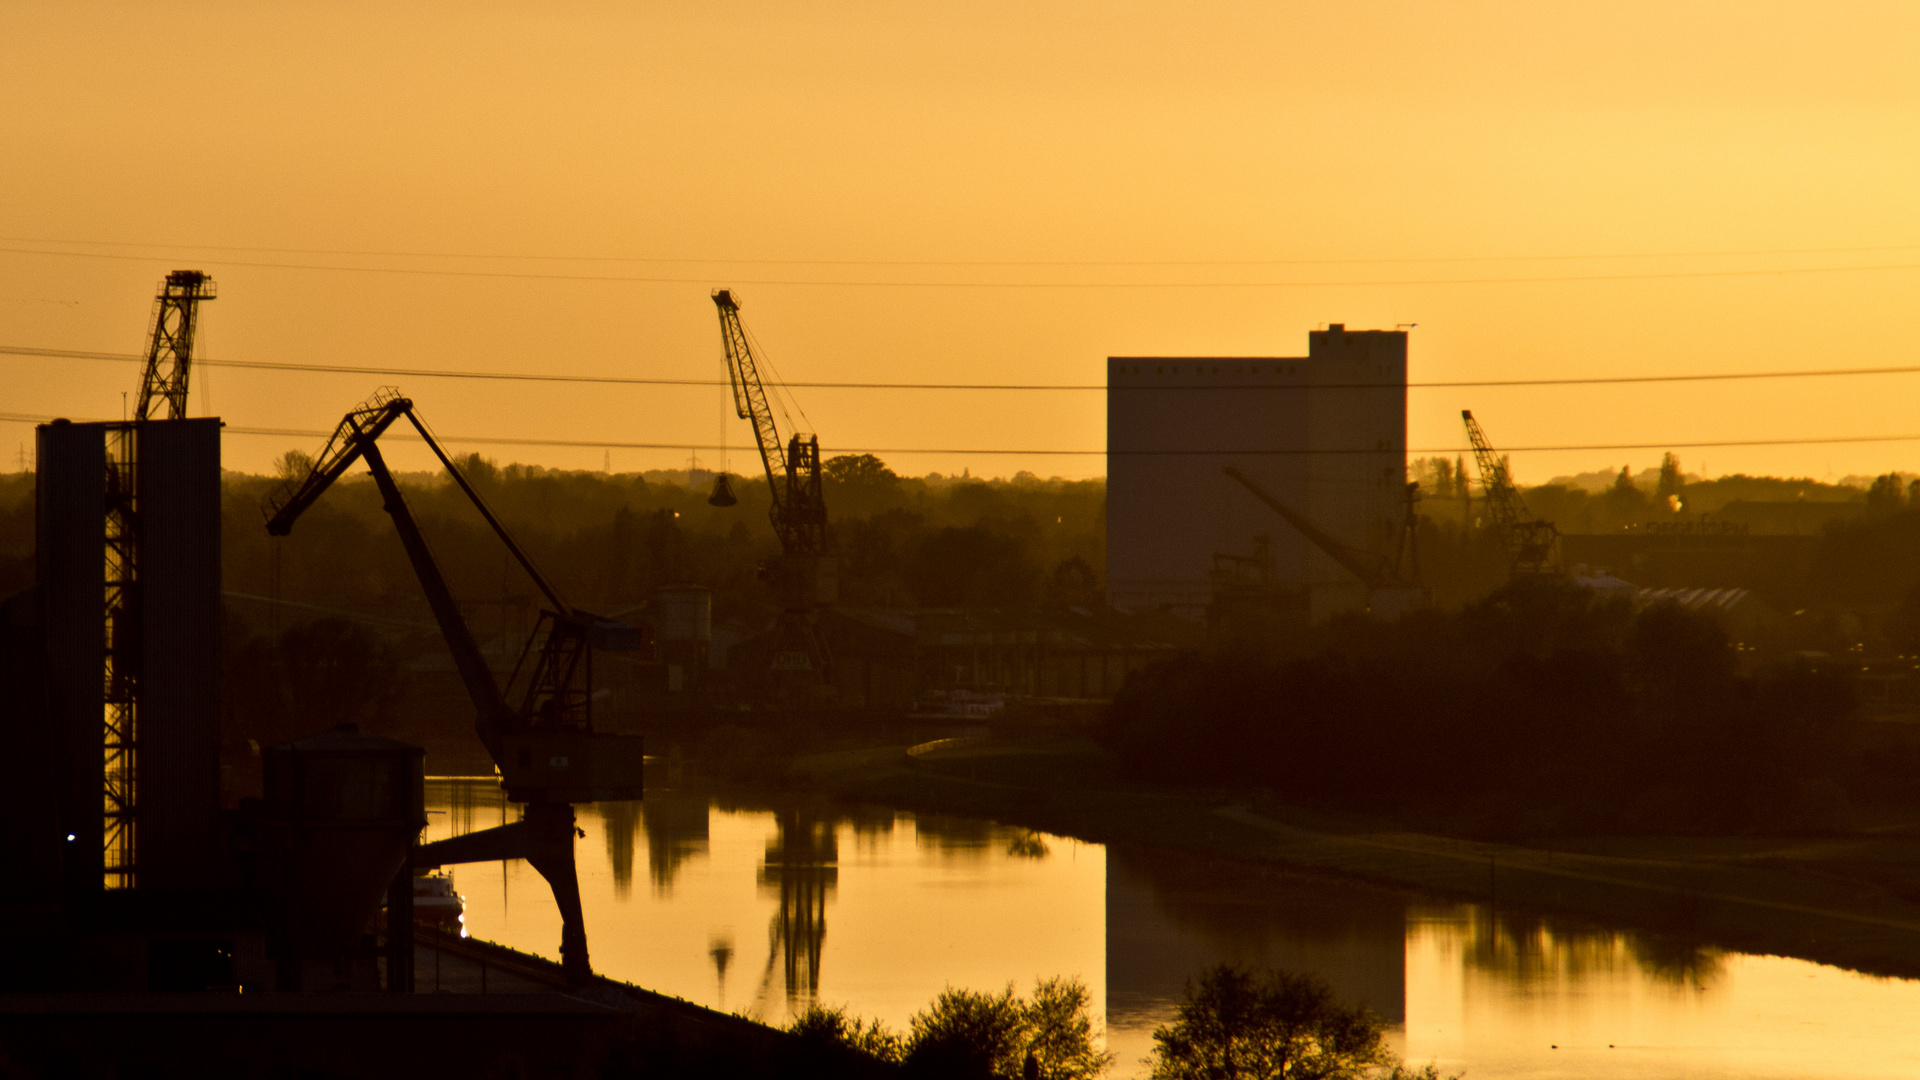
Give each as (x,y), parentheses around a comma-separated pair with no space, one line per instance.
(1886,495)
(834,1026)
(1271,1025)
(1624,502)
(1072,583)
(1902,626)
(1671,482)
(970,1034)
(973,566)
(293,465)
(859,470)
(479,471)
(1059,1030)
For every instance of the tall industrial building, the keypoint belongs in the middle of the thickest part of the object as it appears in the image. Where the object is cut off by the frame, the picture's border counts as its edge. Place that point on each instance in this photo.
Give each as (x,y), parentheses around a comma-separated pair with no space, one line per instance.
(1325,433)
(116,673)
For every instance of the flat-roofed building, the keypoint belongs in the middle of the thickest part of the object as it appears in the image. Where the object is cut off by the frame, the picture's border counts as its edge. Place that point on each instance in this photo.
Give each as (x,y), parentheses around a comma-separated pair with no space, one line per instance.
(1324,433)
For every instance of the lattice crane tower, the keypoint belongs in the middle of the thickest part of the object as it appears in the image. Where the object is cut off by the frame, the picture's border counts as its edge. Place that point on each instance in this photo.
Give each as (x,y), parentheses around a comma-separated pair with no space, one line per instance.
(175,318)
(1531,545)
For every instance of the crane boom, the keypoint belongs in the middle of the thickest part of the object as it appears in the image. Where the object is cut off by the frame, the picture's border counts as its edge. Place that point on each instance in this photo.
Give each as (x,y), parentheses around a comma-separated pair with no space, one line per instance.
(1530,544)
(355,440)
(793,472)
(546,750)
(804,575)
(1373,569)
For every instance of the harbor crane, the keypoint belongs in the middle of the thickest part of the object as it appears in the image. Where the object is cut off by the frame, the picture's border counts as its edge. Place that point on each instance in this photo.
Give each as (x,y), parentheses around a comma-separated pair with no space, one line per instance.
(1531,545)
(1376,571)
(804,577)
(538,728)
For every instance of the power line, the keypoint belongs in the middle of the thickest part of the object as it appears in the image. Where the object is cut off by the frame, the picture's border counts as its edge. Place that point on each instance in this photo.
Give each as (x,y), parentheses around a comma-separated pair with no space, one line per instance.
(901,284)
(599,444)
(662,260)
(619,380)
(993,452)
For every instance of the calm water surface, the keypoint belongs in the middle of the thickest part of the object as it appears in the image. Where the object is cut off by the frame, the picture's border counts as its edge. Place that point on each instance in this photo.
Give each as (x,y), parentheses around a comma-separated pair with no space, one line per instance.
(764,908)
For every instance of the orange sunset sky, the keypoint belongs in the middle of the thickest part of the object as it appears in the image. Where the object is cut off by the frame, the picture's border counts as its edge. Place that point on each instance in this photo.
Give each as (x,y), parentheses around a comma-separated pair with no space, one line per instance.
(975,192)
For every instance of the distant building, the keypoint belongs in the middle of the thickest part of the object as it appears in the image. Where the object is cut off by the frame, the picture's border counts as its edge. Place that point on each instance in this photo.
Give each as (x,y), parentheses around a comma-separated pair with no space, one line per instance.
(1800,517)
(1325,433)
(1745,617)
(1779,567)
(1078,653)
(890,658)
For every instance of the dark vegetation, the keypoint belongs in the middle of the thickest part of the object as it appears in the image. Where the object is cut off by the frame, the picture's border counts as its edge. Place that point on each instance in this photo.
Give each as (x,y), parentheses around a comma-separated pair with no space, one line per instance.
(352,639)
(973,1035)
(1234,1024)
(1522,710)
(1541,709)
(607,541)
(1237,1024)
(1606,501)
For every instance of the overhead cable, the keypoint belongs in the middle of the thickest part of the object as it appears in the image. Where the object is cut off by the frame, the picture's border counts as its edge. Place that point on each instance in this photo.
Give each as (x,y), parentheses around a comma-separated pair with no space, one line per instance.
(622,380)
(604,444)
(903,284)
(724,261)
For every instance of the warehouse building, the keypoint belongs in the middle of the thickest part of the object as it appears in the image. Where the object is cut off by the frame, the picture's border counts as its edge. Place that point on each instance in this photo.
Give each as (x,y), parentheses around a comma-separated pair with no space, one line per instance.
(1325,433)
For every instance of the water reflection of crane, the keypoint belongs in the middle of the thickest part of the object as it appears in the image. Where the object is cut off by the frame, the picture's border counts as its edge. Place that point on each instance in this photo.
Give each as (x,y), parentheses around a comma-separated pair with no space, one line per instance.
(721,949)
(802,867)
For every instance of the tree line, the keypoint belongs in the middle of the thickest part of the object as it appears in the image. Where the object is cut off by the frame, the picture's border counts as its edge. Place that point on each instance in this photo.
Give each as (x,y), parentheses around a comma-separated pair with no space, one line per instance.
(1543,708)
(1233,1023)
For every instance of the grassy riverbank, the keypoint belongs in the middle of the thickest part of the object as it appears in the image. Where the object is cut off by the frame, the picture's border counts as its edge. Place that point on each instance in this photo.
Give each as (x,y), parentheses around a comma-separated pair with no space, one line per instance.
(1849,900)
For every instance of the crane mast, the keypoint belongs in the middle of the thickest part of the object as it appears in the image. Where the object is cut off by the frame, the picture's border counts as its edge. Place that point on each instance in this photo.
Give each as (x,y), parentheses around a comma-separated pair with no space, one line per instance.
(176,314)
(1531,545)
(804,576)
(547,753)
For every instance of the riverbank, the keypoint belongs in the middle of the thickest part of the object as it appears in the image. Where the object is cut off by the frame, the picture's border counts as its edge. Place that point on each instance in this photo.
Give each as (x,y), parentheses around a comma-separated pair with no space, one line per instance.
(1847,900)
(479,1009)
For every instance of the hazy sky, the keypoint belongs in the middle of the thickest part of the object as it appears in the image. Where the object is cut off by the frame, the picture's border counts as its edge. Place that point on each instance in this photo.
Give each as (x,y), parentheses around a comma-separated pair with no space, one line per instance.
(840,142)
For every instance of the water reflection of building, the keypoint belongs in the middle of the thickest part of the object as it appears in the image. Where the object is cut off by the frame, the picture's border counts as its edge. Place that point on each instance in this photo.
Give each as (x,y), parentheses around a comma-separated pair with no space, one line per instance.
(801,868)
(470,806)
(676,828)
(1166,920)
(621,822)
(1524,949)
(957,835)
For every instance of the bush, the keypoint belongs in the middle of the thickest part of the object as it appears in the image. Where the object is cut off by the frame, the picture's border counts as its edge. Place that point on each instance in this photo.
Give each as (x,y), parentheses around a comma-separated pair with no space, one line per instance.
(971,1035)
(967,1033)
(833,1027)
(1238,1024)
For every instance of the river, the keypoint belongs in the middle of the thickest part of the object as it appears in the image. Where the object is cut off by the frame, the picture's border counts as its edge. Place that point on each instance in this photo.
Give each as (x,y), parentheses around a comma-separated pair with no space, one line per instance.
(763,908)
